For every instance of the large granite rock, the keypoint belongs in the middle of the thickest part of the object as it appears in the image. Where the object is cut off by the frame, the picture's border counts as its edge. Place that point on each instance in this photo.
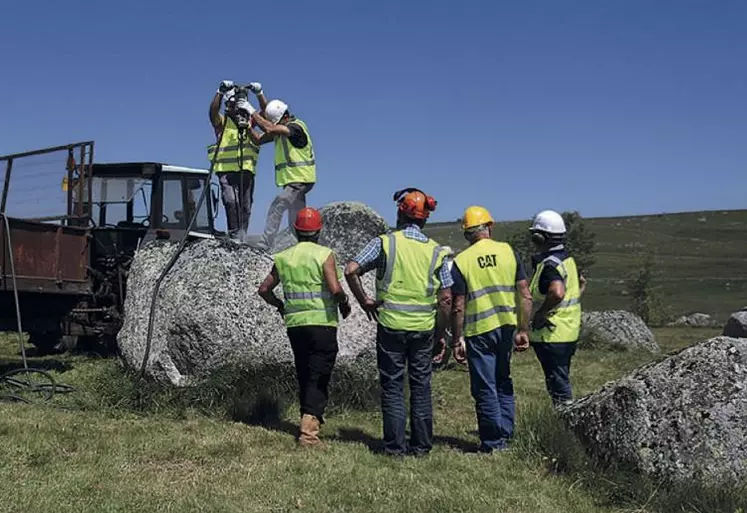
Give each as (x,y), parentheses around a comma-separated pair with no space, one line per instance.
(616,329)
(348,226)
(694,320)
(209,315)
(681,419)
(736,326)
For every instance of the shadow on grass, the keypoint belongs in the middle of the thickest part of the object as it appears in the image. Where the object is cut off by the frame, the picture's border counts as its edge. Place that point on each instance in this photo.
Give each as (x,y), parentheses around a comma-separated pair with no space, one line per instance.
(7,365)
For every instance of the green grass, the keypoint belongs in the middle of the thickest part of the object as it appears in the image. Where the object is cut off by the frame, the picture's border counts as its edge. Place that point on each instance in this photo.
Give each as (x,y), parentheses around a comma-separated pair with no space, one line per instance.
(700,255)
(97,449)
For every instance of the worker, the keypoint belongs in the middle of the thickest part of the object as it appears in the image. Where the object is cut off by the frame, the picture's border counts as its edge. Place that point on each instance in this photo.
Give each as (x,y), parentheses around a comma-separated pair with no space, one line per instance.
(236,163)
(313,296)
(295,164)
(412,290)
(440,348)
(488,278)
(556,292)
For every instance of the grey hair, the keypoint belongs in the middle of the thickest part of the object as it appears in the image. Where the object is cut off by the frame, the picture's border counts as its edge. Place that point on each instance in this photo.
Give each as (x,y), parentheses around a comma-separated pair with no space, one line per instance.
(472,233)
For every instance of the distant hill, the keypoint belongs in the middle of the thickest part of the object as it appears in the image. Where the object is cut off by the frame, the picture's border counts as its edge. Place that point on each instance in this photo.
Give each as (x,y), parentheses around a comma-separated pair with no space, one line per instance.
(702,258)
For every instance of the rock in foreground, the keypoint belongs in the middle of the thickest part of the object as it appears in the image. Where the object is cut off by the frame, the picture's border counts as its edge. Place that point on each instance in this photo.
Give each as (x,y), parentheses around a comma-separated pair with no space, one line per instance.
(736,326)
(616,329)
(682,419)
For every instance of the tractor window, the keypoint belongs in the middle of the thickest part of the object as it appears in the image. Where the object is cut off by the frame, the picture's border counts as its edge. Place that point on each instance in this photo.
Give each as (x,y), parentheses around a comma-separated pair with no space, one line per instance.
(118,200)
(180,196)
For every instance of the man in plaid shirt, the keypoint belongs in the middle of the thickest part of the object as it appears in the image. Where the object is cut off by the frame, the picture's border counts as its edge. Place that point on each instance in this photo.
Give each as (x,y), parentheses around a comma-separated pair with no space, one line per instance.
(413,303)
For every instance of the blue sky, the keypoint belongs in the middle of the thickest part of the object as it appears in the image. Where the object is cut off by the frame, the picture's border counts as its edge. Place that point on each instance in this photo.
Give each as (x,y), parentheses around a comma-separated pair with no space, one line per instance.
(608,107)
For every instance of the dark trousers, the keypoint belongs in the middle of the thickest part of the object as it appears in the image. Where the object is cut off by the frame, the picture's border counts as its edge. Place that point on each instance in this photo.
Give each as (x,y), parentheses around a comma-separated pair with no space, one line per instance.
(314,351)
(394,350)
(489,358)
(237,202)
(555,359)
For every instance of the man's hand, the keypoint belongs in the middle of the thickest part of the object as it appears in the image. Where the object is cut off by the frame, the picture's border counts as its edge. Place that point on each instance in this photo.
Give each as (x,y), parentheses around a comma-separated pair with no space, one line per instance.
(255,87)
(521,341)
(370,307)
(439,357)
(244,105)
(460,352)
(345,309)
(225,86)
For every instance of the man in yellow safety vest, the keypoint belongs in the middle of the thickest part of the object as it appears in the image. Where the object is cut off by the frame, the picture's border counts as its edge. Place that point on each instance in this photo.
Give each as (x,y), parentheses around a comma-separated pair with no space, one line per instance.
(236,162)
(487,277)
(295,163)
(312,291)
(412,288)
(556,289)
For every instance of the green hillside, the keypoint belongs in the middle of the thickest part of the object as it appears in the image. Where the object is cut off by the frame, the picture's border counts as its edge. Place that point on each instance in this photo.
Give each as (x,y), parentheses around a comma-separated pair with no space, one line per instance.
(701,258)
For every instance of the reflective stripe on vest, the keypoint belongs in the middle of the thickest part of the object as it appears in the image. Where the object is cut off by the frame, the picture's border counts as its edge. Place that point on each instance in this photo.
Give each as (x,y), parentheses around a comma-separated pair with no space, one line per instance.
(229,154)
(489,270)
(308,301)
(294,165)
(566,316)
(408,288)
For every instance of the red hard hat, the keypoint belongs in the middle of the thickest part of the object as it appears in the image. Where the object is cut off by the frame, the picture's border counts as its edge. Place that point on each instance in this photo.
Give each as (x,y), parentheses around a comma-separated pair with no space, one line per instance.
(308,220)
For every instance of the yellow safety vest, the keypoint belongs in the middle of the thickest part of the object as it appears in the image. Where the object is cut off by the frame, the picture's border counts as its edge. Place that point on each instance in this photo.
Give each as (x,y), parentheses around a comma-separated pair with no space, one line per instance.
(408,288)
(229,155)
(308,301)
(489,270)
(294,165)
(566,317)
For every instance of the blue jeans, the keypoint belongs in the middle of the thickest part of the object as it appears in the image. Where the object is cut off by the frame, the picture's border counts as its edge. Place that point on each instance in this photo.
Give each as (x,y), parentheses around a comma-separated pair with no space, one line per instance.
(555,359)
(489,358)
(393,350)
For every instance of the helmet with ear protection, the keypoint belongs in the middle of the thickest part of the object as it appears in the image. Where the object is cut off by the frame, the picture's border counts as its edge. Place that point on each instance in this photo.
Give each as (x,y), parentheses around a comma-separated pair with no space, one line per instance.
(548,226)
(414,203)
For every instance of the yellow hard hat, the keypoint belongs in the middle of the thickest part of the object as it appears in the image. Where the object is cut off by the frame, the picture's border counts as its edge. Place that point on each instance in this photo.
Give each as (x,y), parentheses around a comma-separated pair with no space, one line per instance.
(476,216)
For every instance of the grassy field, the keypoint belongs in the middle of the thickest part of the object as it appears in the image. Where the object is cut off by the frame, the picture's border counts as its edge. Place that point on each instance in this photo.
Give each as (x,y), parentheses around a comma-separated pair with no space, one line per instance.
(92,450)
(701,258)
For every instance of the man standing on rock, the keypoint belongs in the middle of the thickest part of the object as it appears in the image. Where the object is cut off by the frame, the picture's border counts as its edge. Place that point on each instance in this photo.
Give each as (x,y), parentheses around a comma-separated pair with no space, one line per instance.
(486,278)
(313,295)
(556,292)
(236,163)
(295,163)
(412,287)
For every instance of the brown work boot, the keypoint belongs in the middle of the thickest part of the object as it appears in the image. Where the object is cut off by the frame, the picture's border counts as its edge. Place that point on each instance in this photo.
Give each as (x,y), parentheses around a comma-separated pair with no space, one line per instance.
(309,436)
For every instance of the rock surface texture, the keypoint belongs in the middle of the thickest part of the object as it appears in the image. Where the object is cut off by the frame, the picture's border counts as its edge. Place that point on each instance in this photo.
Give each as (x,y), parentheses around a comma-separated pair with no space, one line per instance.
(348,226)
(616,329)
(209,314)
(736,326)
(681,419)
(695,320)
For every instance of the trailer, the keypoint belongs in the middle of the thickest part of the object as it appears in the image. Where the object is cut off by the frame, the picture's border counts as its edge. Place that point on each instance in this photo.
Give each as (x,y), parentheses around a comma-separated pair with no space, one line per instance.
(63,272)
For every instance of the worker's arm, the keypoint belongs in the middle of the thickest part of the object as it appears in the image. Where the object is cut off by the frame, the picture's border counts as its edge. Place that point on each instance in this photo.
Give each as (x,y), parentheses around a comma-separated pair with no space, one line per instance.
(444,313)
(554,296)
(581,283)
(333,284)
(268,127)
(353,273)
(266,290)
(525,304)
(215,118)
(457,317)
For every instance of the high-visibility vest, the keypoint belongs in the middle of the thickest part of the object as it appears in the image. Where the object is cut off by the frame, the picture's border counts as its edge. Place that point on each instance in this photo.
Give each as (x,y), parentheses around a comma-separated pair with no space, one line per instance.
(489,270)
(566,317)
(408,288)
(229,154)
(294,165)
(308,301)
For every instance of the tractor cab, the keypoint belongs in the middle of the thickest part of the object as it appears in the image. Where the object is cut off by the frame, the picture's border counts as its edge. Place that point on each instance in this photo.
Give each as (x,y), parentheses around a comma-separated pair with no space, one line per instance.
(146,200)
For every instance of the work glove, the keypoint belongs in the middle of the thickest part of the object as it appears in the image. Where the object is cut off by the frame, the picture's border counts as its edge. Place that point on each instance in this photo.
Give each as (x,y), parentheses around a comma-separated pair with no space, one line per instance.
(225,86)
(255,87)
(244,105)
(345,309)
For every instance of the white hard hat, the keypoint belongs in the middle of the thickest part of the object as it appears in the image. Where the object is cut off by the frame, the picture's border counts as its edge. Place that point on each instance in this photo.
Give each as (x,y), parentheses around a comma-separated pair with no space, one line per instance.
(549,221)
(275,110)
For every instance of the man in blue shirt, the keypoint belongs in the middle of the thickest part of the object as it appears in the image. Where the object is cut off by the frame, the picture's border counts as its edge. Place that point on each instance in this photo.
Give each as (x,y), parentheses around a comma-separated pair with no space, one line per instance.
(413,302)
